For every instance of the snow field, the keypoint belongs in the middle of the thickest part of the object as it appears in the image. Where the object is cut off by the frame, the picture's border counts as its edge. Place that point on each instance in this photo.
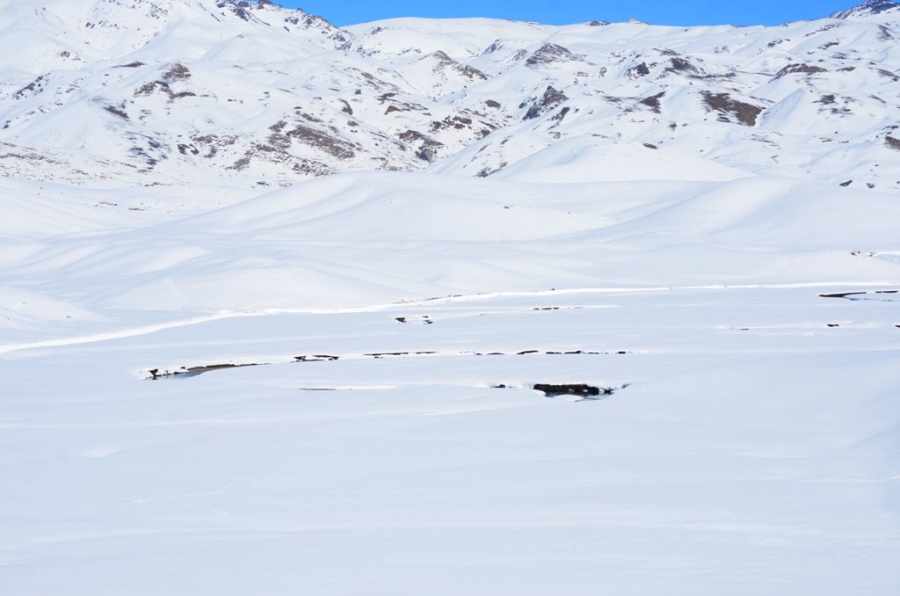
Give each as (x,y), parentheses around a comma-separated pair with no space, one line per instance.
(754,448)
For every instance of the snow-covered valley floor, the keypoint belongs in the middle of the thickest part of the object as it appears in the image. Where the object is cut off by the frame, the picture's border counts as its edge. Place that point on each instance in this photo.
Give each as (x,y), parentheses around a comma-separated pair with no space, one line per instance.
(750,442)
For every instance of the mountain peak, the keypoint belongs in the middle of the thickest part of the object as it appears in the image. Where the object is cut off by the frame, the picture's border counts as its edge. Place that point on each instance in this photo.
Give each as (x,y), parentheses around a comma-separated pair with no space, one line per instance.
(868,8)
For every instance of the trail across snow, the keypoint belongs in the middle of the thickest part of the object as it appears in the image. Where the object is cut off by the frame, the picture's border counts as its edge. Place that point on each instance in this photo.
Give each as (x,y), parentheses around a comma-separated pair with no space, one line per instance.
(149,329)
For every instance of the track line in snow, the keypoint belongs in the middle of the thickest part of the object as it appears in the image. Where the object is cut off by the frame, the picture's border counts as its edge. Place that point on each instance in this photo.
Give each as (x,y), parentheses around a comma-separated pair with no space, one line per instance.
(227,314)
(184,372)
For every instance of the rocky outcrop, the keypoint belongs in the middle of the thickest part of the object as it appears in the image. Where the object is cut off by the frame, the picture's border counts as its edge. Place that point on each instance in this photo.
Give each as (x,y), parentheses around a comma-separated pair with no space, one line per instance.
(547,102)
(730,109)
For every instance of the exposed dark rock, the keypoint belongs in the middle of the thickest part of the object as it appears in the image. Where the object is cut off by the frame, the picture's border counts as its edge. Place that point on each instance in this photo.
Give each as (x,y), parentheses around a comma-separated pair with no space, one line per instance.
(323,141)
(117,112)
(550,53)
(148,88)
(457,122)
(464,69)
(641,70)
(822,29)
(238,8)
(185,149)
(275,155)
(212,143)
(147,148)
(892,142)
(311,168)
(681,65)
(485,172)
(32,88)
(176,72)
(558,117)
(493,47)
(278,141)
(548,101)
(652,102)
(728,108)
(798,69)
(427,147)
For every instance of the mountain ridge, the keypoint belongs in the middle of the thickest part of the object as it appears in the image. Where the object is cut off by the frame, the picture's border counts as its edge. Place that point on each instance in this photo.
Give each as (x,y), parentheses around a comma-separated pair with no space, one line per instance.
(867,8)
(161,91)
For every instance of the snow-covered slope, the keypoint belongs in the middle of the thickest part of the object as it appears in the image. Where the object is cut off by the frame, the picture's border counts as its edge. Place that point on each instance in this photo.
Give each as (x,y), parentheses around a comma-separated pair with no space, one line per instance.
(160,91)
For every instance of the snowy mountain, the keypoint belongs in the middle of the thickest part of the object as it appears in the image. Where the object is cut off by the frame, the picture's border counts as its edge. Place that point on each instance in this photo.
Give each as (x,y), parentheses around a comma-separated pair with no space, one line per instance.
(867,9)
(161,91)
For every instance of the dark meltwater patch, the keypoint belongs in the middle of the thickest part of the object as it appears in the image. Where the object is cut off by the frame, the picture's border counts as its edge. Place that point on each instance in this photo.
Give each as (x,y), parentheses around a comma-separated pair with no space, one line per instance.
(193,371)
(184,372)
(881,295)
(580,389)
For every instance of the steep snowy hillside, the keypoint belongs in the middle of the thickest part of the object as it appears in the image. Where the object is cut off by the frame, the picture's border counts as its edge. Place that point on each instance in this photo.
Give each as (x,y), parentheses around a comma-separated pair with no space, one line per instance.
(140,92)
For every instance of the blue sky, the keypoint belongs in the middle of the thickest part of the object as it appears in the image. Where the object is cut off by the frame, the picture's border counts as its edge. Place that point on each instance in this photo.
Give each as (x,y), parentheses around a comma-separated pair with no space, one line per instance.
(558,12)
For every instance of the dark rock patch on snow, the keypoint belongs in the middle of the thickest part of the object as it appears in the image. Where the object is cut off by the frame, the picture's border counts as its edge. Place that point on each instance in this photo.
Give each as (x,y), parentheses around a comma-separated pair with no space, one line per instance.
(550,53)
(548,101)
(798,69)
(729,108)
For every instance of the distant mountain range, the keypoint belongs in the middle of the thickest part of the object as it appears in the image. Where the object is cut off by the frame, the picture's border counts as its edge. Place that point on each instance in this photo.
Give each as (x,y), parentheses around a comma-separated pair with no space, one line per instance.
(149,92)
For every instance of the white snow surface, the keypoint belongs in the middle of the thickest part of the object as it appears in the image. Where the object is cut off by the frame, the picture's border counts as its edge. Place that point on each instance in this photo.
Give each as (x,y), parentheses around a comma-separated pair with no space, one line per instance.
(268,380)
